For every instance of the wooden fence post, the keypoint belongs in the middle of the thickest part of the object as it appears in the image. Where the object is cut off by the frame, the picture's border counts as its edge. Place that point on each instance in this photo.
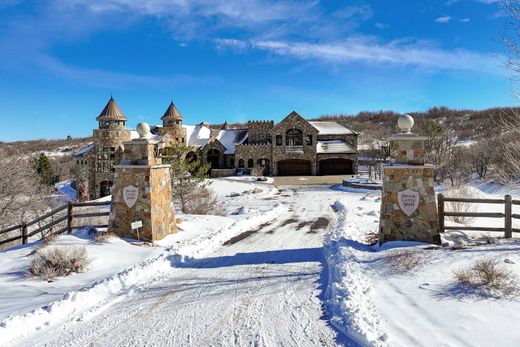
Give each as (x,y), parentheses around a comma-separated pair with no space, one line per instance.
(508,217)
(69,217)
(440,210)
(24,233)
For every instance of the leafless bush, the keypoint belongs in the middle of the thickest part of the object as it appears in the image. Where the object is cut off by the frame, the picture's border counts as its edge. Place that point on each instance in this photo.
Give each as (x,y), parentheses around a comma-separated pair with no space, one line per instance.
(47,240)
(203,201)
(461,207)
(103,237)
(404,261)
(53,261)
(258,171)
(489,276)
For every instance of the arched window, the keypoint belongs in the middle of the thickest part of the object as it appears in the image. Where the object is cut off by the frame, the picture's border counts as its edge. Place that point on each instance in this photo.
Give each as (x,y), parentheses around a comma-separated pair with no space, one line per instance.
(308,140)
(250,163)
(241,163)
(278,140)
(294,137)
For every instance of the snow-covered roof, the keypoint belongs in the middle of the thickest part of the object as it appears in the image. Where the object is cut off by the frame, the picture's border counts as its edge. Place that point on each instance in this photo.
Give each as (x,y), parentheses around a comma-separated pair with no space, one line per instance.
(82,152)
(197,135)
(334,146)
(230,138)
(331,128)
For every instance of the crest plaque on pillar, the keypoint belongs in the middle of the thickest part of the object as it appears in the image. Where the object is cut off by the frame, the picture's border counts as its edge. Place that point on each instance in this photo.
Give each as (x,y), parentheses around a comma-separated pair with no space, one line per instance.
(130,194)
(408,201)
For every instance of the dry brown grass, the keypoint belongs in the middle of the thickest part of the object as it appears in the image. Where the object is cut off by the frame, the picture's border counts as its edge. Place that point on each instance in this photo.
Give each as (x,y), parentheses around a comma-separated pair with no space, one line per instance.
(47,240)
(489,276)
(104,237)
(54,261)
(404,261)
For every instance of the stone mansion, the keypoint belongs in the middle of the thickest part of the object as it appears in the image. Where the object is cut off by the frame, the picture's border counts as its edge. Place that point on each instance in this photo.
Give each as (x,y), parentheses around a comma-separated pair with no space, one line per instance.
(292,147)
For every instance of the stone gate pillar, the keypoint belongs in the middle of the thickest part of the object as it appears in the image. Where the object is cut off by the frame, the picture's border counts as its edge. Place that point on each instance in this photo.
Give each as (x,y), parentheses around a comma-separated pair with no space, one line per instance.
(142,191)
(408,206)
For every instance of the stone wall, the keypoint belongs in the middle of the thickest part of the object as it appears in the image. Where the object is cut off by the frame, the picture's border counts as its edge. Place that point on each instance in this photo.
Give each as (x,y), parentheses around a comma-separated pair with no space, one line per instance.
(259,131)
(154,206)
(423,224)
(256,153)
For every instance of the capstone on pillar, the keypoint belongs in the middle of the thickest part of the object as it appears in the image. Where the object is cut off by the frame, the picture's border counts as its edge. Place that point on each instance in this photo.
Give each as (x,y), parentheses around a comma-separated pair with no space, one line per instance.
(408,205)
(142,191)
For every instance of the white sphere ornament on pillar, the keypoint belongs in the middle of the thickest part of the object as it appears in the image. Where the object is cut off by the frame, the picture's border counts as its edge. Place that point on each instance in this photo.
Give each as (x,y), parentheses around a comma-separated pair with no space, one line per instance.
(143,129)
(405,123)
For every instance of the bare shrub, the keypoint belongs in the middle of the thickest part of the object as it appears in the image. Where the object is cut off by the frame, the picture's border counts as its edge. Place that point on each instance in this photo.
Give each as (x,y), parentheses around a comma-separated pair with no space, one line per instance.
(104,237)
(203,201)
(47,240)
(489,276)
(257,171)
(461,207)
(53,261)
(404,261)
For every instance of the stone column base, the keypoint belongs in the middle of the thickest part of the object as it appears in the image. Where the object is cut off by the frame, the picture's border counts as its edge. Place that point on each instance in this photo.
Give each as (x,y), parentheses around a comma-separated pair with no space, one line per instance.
(154,205)
(423,224)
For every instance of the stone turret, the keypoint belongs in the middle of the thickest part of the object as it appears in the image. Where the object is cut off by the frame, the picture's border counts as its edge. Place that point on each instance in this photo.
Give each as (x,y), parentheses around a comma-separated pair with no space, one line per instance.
(172,125)
(111,116)
(107,149)
(408,207)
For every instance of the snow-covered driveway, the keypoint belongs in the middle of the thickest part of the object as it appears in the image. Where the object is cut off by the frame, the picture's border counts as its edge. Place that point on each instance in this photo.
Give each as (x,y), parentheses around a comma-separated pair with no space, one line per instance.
(261,289)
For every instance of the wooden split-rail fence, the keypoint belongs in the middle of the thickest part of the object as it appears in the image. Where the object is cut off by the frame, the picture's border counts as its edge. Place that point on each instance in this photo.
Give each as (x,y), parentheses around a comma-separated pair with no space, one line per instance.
(63,219)
(507,215)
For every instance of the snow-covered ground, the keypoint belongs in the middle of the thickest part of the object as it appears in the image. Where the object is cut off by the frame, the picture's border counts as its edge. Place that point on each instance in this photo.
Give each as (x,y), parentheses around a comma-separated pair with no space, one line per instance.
(288,266)
(376,304)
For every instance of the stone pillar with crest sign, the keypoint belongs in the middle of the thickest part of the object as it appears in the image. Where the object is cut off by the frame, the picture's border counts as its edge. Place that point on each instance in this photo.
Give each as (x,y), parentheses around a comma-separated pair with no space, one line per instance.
(142,191)
(408,205)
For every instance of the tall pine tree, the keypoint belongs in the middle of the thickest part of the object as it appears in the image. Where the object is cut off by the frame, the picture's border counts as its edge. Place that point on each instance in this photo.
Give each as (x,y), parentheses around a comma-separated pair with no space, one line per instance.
(43,167)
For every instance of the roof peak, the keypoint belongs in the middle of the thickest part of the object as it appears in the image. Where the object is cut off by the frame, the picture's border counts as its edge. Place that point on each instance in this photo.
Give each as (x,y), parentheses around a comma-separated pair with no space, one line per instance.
(172,112)
(111,112)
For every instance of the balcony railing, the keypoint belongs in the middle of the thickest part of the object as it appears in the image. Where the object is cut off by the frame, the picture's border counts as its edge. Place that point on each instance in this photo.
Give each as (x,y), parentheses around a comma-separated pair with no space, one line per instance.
(294,149)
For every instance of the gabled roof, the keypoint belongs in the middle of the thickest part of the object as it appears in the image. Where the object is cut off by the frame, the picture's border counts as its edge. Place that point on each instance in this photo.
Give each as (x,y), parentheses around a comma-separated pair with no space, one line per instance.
(172,112)
(111,112)
(331,128)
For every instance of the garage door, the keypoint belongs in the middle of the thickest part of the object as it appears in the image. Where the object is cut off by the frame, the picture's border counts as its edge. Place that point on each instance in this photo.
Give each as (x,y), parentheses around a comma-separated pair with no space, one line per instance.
(294,167)
(336,167)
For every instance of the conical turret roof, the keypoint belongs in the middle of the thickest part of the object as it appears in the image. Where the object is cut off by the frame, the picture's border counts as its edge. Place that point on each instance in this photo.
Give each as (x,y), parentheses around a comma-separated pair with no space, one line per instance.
(111,112)
(172,112)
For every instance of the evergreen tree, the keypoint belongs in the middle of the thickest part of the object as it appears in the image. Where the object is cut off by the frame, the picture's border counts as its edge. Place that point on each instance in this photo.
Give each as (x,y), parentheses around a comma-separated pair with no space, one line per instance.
(187,172)
(43,167)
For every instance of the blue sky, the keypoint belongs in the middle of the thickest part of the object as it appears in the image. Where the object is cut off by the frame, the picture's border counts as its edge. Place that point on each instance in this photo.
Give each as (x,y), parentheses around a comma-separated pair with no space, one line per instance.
(239,60)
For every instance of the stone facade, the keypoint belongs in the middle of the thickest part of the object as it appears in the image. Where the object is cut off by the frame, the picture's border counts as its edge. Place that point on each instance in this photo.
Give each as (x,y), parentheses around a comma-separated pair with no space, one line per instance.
(142,171)
(287,148)
(413,217)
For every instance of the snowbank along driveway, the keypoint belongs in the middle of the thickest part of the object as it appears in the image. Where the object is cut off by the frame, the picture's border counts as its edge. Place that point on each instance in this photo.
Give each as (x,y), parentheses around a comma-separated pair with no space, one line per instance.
(262,287)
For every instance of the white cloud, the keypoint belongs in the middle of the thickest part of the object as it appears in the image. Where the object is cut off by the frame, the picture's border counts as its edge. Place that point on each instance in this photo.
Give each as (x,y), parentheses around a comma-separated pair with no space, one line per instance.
(370,51)
(443,19)
(381,26)
(465,20)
